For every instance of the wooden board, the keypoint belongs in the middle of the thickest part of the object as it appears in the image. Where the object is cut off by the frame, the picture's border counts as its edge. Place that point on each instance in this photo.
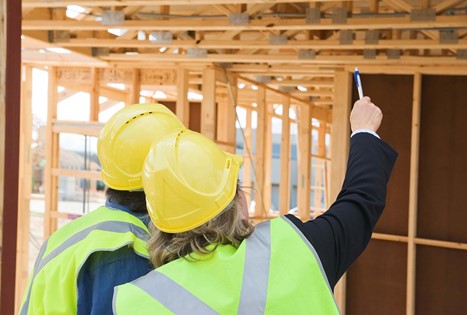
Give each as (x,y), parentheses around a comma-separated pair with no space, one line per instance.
(441,281)
(393,94)
(376,283)
(443,156)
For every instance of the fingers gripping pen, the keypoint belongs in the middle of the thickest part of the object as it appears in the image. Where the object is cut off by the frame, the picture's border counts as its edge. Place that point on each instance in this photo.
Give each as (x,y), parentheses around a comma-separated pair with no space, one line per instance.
(358,82)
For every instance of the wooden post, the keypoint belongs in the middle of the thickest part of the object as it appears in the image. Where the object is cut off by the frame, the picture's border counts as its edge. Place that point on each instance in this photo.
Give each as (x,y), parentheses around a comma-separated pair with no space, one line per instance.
(10,80)
(135,87)
(231,130)
(260,152)
(94,95)
(24,189)
(320,165)
(182,108)
(226,118)
(51,155)
(267,161)
(340,149)
(208,106)
(247,155)
(413,194)
(284,195)
(304,163)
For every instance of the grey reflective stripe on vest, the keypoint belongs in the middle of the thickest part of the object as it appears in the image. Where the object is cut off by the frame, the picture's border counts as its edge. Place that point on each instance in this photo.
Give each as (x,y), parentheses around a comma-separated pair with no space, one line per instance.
(254,289)
(256,271)
(109,226)
(312,249)
(172,295)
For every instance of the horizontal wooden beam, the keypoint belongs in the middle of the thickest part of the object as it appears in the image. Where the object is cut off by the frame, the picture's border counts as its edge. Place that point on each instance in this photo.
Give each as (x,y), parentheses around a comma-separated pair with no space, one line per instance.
(77,127)
(290,59)
(420,241)
(266,24)
(262,44)
(111,3)
(94,175)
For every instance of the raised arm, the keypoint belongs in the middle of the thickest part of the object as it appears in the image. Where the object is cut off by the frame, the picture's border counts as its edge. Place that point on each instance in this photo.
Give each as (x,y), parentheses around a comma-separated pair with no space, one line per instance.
(341,234)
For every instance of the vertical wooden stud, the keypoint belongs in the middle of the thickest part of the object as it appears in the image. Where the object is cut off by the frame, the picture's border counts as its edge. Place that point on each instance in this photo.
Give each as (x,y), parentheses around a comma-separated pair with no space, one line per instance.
(24,189)
(304,163)
(51,155)
(94,95)
(267,161)
(340,148)
(413,194)
(284,195)
(182,108)
(260,152)
(135,87)
(247,152)
(208,106)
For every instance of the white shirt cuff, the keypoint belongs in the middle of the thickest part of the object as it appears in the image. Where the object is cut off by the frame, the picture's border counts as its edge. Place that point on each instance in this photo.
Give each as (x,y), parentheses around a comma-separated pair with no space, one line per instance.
(366,131)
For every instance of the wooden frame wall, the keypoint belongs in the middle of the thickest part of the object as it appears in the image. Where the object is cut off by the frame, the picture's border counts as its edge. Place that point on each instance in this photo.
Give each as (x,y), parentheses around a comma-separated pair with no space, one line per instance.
(412,239)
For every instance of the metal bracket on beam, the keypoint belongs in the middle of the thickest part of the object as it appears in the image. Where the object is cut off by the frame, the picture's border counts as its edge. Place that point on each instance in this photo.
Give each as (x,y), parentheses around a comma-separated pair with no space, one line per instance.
(99,51)
(58,36)
(345,37)
(196,52)
(461,54)
(238,19)
(262,78)
(339,15)
(112,17)
(372,37)
(369,53)
(286,88)
(313,16)
(423,14)
(394,53)
(448,37)
(161,37)
(306,54)
(278,39)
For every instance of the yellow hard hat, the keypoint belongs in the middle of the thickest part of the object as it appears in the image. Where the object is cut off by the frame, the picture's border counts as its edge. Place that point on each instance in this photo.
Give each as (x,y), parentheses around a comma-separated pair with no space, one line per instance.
(126,139)
(188,180)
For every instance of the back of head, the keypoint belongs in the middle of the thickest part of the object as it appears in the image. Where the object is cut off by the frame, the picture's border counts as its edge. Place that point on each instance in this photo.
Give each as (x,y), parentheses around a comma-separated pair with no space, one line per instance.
(125,140)
(188,180)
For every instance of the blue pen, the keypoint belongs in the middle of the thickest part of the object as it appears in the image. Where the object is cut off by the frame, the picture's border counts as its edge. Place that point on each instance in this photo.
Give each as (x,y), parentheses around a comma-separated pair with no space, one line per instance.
(358,82)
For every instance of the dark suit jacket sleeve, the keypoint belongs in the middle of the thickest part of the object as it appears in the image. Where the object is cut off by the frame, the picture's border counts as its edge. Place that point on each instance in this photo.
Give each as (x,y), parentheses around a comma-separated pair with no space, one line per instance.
(342,233)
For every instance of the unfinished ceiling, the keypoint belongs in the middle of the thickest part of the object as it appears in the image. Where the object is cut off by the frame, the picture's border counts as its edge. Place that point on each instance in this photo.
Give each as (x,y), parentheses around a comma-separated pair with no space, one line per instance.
(292,45)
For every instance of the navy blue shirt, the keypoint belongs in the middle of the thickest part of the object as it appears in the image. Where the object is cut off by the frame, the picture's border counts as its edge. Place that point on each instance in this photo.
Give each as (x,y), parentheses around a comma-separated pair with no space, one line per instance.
(104,270)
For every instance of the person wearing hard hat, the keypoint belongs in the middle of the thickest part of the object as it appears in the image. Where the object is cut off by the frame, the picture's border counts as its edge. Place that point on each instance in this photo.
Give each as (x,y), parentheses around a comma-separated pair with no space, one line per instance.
(211,260)
(79,265)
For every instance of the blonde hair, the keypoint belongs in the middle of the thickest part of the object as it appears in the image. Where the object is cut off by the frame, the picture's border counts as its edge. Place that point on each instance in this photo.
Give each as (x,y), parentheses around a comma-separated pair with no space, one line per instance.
(227,228)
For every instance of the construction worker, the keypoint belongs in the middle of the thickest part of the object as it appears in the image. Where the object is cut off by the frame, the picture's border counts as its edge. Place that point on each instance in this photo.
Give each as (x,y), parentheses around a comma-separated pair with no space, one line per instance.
(210,260)
(79,265)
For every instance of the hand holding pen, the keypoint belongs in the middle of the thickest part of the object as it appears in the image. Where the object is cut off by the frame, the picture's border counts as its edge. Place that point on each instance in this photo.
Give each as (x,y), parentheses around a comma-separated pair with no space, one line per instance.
(358,82)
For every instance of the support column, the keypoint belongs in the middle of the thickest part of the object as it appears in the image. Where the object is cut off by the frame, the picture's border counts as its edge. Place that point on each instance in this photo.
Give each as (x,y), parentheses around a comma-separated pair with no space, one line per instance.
(304,162)
(226,118)
(247,155)
(94,95)
(51,156)
(267,161)
(208,106)
(340,141)
(135,87)
(24,189)
(284,188)
(260,152)
(413,194)
(182,108)
(10,80)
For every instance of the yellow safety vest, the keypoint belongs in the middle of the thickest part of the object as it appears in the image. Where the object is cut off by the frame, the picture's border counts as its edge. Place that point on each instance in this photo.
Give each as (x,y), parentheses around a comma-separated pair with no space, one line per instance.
(52,287)
(274,271)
